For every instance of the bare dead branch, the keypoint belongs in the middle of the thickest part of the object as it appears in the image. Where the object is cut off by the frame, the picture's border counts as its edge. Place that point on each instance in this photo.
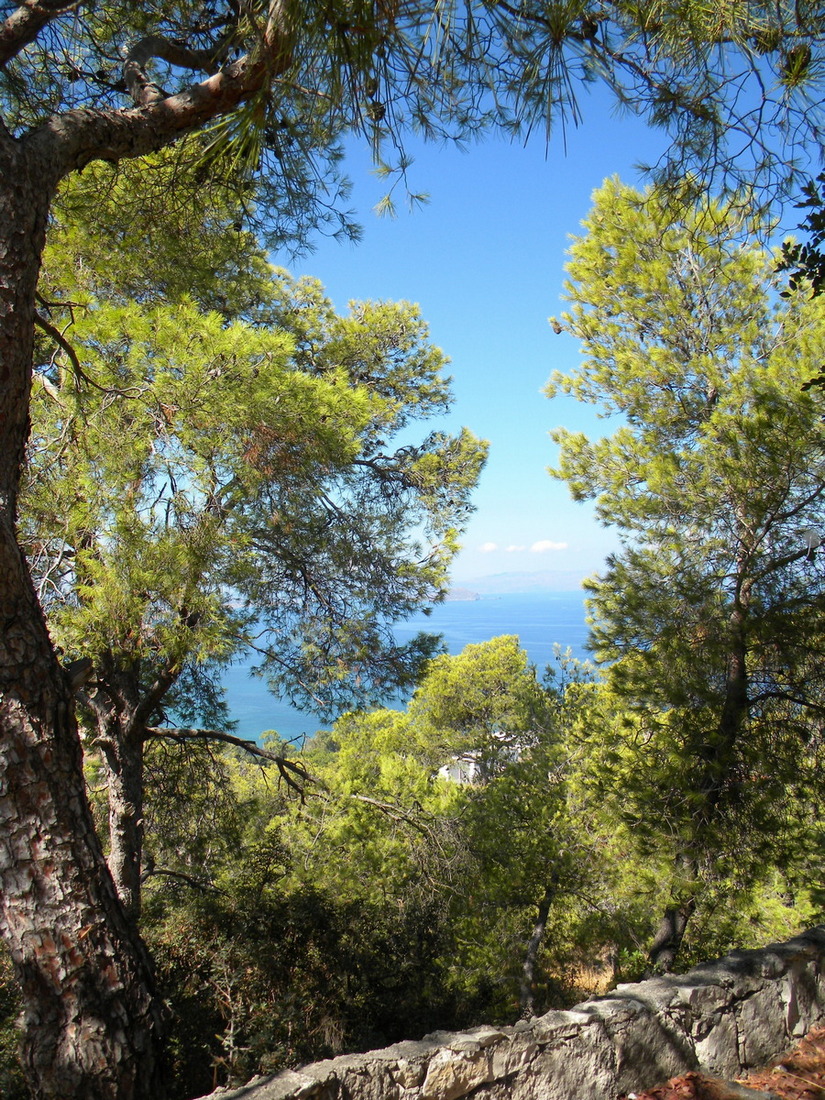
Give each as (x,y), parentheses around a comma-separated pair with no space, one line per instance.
(190,880)
(292,773)
(55,334)
(394,813)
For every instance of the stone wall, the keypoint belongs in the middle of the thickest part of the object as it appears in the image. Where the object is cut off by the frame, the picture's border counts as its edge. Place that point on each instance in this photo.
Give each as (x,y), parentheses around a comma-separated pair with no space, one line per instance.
(725,1017)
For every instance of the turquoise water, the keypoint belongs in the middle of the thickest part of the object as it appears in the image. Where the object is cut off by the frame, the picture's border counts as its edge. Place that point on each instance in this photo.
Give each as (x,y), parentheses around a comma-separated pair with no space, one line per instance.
(541,620)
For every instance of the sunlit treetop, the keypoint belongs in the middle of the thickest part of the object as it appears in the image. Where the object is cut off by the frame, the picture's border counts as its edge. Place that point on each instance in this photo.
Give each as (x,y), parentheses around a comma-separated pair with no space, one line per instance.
(257,479)
(273,88)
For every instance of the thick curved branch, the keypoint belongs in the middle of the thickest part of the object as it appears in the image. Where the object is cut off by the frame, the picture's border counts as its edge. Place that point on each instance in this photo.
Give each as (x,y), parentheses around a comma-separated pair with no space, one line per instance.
(55,334)
(69,141)
(82,136)
(23,25)
(787,695)
(156,692)
(58,337)
(773,565)
(142,90)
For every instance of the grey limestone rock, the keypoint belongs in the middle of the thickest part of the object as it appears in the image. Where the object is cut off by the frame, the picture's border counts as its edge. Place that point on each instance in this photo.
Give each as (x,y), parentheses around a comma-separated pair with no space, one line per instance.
(725,1017)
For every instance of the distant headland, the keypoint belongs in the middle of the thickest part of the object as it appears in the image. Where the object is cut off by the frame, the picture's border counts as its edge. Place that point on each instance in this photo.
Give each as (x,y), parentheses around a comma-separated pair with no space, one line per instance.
(456,595)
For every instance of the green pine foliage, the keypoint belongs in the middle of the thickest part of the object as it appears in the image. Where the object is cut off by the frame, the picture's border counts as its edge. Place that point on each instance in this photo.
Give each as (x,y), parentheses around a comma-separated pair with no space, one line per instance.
(389,901)
(712,613)
(201,481)
(211,472)
(702,73)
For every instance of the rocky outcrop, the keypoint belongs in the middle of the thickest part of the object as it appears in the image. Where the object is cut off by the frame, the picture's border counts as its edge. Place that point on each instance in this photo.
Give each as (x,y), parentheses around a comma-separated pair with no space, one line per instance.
(726,1017)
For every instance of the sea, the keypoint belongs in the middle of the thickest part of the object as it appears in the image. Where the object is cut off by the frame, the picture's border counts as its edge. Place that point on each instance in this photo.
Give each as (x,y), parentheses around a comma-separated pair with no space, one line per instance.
(542,620)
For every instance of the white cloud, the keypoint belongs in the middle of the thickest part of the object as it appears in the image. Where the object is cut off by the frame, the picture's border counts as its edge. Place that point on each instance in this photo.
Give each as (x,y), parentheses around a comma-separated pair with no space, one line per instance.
(544,545)
(488,547)
(515,549)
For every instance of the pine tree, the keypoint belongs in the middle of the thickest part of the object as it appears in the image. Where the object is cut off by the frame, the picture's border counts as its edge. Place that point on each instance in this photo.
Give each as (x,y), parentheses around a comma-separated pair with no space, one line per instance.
(714,611)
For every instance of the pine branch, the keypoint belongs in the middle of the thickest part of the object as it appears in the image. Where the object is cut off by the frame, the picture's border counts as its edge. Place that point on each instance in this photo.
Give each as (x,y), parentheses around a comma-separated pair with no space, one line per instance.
(23,25)
(294,775)
(197,884)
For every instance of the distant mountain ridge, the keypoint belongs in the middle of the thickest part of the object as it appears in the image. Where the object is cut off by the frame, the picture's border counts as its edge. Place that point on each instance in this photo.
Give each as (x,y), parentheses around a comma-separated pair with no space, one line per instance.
(499,584)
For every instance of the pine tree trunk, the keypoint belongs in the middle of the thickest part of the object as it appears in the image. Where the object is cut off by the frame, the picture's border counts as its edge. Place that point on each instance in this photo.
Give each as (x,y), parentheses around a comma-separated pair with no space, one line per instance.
(716,761)
(669,935)
(719,760)
(120,704)
(527,995)
(92,1024)
(123,764)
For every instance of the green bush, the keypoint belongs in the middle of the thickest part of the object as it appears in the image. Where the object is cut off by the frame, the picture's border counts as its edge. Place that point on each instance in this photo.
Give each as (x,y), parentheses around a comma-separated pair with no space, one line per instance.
(260,984)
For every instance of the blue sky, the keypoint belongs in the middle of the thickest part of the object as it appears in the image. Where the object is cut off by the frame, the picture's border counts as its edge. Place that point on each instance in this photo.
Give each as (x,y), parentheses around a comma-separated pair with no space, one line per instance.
(484,259)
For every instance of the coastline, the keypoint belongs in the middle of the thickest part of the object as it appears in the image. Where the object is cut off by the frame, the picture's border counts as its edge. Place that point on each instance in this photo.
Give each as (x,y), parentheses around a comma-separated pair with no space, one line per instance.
(542,620)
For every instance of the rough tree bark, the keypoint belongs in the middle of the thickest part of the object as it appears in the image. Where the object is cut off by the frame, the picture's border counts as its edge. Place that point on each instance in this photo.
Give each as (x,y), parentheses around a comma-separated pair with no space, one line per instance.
(93,1025)
(91,1020)
(120,706)
(123,767)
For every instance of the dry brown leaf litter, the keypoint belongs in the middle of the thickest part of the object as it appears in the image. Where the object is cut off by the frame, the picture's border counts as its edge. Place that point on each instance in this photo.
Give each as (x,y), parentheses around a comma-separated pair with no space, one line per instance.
(797,1075)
